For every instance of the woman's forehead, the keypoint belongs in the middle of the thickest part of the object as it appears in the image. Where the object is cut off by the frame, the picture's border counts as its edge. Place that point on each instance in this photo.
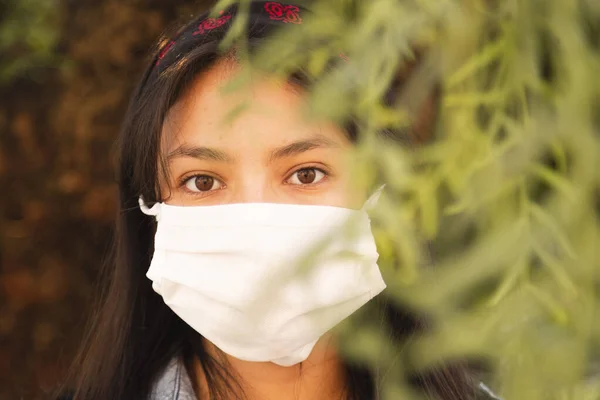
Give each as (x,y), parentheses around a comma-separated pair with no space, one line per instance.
(266,110)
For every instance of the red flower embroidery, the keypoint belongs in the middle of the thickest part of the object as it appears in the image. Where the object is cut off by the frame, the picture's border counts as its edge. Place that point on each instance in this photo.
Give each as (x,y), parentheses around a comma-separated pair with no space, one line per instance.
(279,12)
(164,51)
(211,23)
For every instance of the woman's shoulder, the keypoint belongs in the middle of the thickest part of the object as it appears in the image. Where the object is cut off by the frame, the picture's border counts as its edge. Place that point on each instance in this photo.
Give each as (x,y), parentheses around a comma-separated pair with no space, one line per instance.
(173,382)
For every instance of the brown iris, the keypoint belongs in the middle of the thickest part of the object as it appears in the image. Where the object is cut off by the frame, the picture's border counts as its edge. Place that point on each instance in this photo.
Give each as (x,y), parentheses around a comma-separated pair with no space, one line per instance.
(307,176)
(204,183)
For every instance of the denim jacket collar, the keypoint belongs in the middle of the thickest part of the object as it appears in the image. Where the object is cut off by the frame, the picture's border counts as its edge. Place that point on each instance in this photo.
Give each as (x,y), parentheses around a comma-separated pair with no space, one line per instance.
(173,384)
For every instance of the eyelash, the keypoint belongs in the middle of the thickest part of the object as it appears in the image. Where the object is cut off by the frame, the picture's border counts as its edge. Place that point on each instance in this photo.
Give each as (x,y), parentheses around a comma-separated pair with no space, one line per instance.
(316,168)
(182,182)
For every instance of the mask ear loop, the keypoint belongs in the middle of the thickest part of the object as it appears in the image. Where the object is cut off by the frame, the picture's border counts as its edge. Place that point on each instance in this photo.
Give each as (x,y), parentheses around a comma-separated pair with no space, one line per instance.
(152,211)
(373,199)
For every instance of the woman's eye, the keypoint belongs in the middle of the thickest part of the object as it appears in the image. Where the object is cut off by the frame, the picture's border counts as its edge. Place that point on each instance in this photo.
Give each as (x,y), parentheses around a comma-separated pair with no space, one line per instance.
(202,183)
(306,176)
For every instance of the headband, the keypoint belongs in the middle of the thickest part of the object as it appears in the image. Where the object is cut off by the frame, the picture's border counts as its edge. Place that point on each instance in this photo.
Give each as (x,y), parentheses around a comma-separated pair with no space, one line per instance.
(206,28)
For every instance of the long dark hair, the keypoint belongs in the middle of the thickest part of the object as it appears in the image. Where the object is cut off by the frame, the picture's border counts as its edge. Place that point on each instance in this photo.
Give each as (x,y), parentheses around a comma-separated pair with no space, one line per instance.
(133,334)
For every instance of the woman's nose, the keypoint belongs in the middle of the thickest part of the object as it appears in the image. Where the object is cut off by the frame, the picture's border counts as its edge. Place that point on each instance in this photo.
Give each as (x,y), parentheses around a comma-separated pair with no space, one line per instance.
(255,191)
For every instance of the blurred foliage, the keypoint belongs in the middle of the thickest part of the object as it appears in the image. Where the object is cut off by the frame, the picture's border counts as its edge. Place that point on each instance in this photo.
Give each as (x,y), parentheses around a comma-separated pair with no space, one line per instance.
(29,34)
(506,193)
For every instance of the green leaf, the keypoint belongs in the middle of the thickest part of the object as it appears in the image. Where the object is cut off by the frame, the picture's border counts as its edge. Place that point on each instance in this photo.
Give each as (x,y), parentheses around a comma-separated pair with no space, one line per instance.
(487,55)
(557,232)
(555,180)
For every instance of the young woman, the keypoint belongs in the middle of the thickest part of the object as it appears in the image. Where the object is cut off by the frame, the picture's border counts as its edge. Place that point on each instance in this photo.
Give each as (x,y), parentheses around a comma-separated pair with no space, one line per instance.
(210,208)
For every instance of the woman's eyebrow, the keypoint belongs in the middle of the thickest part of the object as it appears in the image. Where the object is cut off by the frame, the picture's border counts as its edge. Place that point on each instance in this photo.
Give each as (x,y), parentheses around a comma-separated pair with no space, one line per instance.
(301,146)
(200,153)
(291,149)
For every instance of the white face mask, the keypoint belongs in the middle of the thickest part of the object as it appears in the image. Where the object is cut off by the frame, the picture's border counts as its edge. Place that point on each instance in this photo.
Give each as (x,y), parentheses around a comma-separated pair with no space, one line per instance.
(233,273)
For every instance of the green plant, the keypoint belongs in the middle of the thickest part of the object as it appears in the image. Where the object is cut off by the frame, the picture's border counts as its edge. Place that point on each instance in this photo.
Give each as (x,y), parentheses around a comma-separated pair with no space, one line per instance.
(507,192)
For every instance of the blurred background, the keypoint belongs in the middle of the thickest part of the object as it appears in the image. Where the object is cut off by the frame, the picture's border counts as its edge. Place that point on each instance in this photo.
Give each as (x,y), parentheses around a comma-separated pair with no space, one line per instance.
(66,70)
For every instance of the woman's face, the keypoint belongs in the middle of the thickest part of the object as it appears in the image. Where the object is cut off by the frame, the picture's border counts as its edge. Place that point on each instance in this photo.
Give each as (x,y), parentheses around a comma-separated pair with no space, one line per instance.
(267,154)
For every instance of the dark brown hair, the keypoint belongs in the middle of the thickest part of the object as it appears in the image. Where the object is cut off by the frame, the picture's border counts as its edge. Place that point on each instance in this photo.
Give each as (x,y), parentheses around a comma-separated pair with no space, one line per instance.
(133,335)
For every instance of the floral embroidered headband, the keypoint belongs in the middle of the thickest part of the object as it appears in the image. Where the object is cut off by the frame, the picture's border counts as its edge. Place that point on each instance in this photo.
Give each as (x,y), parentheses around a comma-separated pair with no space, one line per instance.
(205,28)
